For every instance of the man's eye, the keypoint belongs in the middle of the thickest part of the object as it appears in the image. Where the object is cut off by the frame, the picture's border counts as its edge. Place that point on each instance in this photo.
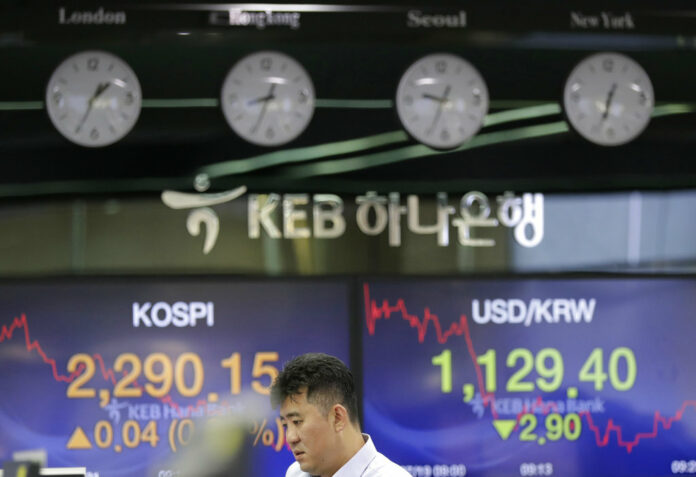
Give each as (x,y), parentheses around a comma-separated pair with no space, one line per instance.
(297,423)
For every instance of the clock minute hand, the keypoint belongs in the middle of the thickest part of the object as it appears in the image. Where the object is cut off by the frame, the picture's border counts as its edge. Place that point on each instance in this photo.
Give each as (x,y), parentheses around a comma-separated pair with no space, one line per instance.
(101,87)
(439,109)
(610,96)
(265,100)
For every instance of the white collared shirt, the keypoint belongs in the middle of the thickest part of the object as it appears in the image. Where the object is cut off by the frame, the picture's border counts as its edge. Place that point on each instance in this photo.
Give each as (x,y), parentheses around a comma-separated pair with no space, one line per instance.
(367,462)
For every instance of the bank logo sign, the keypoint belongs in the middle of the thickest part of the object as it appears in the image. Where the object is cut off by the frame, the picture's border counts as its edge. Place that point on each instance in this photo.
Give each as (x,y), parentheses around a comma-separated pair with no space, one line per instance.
(322,216)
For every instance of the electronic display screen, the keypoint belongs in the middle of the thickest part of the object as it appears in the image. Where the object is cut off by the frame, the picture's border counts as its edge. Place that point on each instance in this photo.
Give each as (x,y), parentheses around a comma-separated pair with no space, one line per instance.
(532,377)
(154,377)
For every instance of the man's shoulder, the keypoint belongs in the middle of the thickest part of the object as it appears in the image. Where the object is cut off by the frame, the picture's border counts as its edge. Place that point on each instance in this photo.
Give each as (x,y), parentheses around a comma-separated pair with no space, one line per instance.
(382,466)
(295,471)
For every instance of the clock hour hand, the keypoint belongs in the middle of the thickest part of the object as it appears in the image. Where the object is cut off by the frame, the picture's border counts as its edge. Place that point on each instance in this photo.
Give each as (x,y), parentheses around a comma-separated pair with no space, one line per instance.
(101,87)
(262,99)
(265,100)
(610,96)
(433,97)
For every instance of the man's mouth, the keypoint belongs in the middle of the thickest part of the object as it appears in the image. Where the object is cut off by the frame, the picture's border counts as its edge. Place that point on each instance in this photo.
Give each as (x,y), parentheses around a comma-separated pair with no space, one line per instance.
(298,454)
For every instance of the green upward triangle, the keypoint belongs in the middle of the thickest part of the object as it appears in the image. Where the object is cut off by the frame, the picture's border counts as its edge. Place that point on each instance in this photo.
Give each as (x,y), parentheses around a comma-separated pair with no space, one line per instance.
(504,427)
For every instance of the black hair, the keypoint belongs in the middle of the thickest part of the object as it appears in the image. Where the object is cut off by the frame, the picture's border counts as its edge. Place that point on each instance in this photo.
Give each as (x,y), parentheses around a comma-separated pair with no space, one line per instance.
(325,378)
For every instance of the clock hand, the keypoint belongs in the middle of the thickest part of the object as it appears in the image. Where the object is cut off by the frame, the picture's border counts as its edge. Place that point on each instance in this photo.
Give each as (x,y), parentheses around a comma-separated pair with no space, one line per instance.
(101,87)
(265,100)
(262,98)
(433,97)
(610,96)
(439,110)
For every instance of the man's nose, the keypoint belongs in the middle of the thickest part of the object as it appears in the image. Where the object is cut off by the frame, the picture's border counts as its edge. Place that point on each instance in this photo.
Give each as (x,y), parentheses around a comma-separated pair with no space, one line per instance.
(291,435)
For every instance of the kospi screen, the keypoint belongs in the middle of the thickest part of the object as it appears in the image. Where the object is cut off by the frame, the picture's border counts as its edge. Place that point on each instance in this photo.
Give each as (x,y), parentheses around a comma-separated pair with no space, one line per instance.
(532,377)
(163,378)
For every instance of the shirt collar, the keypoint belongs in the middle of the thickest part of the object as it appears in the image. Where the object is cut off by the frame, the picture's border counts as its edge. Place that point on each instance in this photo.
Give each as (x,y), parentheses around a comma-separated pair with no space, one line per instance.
(359,462)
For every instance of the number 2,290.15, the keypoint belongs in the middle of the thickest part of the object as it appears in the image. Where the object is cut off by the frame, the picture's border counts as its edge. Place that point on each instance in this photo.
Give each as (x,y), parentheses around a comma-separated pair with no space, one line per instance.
(186,374)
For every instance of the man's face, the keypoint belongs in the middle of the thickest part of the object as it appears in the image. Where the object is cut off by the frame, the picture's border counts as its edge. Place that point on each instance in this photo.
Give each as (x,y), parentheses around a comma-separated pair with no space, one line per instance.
(309,434)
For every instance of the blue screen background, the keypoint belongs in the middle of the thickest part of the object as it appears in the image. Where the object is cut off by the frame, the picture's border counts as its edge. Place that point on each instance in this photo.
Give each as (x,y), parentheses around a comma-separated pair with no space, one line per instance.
(416,424)
(63,319)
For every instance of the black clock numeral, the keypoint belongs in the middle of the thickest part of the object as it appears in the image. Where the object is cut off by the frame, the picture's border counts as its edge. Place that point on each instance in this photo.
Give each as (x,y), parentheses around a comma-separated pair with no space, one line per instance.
(270,133)
(94,134)
(304,96)
(608,65)
(266,63)
(93,64)
(128,100)
(642,99)
(445,135)
(441,66)
(477,98)
(58,98)
(408,100)
(575,97)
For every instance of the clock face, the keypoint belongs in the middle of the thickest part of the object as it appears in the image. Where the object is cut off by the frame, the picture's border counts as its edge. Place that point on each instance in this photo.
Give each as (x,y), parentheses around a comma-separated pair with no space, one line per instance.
(608,99)
(93,98)
(268,98)
(442,100)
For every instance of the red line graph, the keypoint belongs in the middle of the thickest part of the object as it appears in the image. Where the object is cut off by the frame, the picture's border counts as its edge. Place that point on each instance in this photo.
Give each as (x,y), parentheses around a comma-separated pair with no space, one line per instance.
(6,333)
(374,312)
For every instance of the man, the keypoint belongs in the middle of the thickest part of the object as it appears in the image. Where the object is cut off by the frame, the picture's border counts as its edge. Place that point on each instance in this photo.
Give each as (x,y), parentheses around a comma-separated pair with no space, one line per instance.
(319,411)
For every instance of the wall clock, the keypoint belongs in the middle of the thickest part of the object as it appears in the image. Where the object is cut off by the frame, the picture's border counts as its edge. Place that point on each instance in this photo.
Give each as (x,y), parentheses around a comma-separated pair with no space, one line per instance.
(608,99)
(442,100)
(268,98)
(93,98)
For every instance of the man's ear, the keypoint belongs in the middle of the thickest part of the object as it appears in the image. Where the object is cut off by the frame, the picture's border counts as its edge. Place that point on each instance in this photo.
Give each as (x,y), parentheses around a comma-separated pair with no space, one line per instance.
(340,418)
